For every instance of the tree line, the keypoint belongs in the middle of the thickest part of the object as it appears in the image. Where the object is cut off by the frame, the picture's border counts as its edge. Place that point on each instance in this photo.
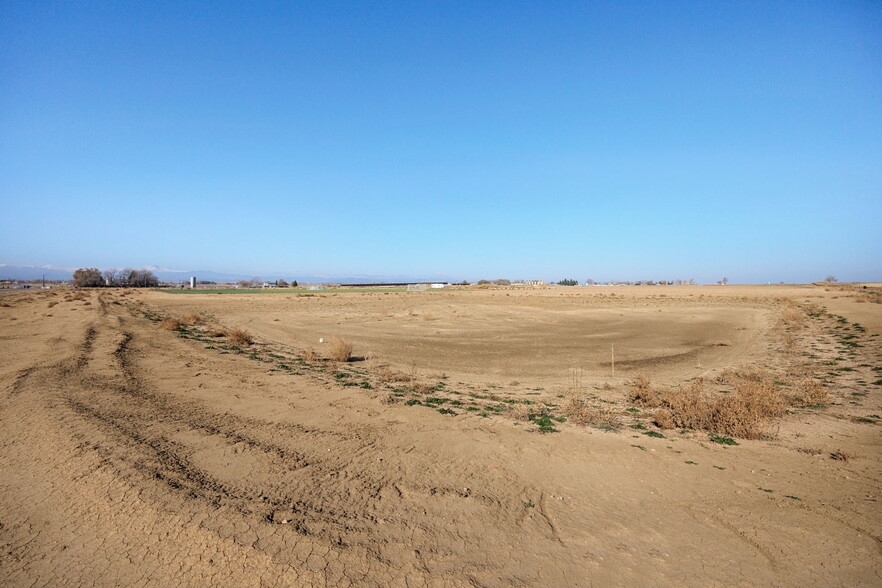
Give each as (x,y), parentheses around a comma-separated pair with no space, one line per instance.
(91,277)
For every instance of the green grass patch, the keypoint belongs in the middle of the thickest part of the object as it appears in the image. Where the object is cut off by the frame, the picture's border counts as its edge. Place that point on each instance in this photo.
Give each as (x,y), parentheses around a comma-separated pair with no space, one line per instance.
(545,424)
(722,440)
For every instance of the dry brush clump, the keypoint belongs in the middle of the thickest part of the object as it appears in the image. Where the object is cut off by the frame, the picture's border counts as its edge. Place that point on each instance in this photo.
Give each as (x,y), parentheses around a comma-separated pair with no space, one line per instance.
(519,412)
(640,392)
(339,349)
(422,387)
(743,412)
(171,324)
(808,391)
(580,411)
(191,319)
(387,375)
(239,337)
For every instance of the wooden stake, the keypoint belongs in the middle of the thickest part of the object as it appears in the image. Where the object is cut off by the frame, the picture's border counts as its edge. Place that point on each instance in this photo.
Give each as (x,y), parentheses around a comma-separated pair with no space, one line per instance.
(612,352)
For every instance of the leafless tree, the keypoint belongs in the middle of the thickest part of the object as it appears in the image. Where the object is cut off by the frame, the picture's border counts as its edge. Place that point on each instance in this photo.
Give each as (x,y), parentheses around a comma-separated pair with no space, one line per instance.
(87,277)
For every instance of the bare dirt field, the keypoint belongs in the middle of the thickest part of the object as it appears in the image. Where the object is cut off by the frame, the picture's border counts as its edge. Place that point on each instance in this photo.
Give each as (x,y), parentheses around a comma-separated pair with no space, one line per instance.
(475,437)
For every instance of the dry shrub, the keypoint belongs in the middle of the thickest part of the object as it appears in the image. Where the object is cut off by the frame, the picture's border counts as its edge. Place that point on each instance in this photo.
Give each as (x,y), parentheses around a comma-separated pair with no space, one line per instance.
(581,412)
(519,412)
(387,375)
(841,455)
(641,393)
(390,399)
(792,317)
(171,324)
(808,391)
(53,303)
(217,333)
(744,413)
(422,387)
(239,337)
(309,354)
(339,349)
(192,319)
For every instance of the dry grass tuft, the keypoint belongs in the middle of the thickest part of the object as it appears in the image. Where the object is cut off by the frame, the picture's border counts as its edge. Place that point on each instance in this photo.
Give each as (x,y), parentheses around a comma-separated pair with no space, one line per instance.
(239,337)
(53,303)
(171,324)
(519,412)
(422,387)
(792,317)
(581,412)
(192,319)
(339,349)
(387,375)
(842,455)
(808,391)
(309,354)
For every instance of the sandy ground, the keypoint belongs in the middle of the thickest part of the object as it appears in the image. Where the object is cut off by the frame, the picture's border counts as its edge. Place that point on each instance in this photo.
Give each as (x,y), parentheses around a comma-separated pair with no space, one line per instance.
(130,455)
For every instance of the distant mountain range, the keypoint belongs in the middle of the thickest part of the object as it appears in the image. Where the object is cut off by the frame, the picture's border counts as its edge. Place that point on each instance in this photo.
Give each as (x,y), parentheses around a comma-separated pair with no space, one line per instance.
(34,272)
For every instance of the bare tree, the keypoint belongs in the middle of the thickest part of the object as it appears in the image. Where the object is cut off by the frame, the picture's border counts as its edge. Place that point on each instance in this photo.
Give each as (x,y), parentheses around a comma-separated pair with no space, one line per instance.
(831,279)
(87,277)
(111,276)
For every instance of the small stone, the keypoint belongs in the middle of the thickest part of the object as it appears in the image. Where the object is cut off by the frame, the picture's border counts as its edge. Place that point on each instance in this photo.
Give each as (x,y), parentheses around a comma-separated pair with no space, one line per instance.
(281,517)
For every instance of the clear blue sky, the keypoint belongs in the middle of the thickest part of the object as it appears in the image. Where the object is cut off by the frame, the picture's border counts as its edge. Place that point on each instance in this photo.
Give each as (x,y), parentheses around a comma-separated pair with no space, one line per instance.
(604,140)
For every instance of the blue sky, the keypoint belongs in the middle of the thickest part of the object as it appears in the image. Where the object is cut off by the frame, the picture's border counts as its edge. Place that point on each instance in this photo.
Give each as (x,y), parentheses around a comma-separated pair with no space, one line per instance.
(603,140)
